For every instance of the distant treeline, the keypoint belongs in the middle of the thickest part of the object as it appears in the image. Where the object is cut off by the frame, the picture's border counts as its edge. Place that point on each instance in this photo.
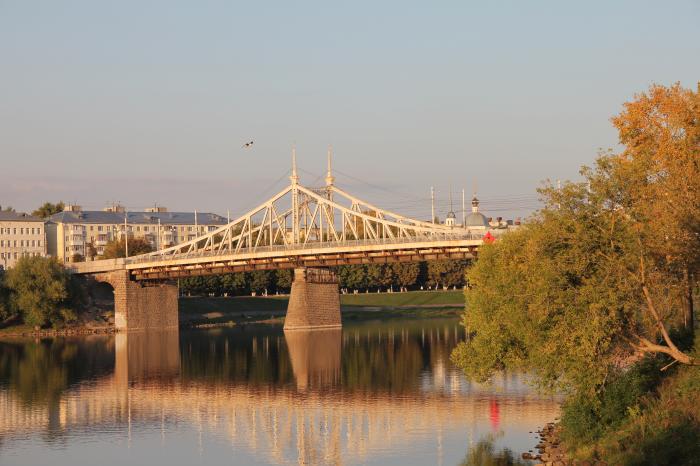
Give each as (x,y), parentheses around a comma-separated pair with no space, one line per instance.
(405,275)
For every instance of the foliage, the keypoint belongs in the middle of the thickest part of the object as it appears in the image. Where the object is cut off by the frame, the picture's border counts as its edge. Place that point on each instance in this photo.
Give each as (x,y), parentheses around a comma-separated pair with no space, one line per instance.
(48,209)
(283,279)
(586,418)
(38,287)
(5,310)
(91,250)
(234,283)
(484,454)
(661,428)
(406,273)
(260,280)
(117,248)
(6,209)
(447,273)
(351,277)
(592,279)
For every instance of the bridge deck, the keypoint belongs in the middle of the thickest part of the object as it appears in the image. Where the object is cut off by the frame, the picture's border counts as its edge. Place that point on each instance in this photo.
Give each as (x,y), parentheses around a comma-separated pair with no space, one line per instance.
(151,266)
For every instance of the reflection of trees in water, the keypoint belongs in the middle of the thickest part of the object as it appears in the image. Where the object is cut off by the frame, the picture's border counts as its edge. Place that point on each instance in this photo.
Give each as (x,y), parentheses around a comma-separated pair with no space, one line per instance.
(256,356)
(375,357)
(484,454)
(39,371)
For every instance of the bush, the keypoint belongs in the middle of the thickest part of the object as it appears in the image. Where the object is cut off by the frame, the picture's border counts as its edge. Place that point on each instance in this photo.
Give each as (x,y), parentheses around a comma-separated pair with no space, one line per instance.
(585,419)
(38,287)
(5,310)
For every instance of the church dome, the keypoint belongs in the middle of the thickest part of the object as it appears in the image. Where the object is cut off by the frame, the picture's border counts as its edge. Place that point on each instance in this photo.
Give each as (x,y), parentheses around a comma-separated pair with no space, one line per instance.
(476,219)
(451,214)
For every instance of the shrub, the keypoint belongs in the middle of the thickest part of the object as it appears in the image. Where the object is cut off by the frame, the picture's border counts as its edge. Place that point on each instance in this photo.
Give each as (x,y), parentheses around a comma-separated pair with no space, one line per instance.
(38,286)
(585,419)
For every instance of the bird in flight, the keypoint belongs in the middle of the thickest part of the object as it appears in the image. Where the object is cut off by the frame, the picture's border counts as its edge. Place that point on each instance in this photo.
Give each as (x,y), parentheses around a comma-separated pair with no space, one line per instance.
(248,145)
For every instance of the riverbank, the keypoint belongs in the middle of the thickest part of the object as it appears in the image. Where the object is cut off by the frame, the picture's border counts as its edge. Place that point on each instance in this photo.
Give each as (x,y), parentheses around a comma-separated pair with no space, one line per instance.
(208,312)
(201,311)
(647,417)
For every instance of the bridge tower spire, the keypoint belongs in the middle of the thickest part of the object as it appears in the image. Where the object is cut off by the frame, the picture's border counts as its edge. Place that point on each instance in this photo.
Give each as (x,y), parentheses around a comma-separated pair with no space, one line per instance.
(330,179)
(294,178)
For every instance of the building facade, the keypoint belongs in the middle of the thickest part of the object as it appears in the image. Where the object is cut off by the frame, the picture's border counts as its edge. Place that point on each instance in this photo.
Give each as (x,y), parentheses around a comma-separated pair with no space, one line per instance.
(75,235)
(20,235)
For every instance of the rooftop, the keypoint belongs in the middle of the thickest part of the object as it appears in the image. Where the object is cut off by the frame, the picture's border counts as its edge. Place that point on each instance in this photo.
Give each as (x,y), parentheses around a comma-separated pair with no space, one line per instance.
(6,216)
(136,218)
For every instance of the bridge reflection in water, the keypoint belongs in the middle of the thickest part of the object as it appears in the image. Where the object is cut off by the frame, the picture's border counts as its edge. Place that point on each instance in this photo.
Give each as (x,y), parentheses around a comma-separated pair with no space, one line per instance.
(322,397)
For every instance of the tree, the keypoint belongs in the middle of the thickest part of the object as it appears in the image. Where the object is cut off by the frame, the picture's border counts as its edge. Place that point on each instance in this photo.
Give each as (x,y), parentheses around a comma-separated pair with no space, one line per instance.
(406,273)
(260,280)
(6,209)
(283,279)
(380,275)
(91,250)
(596,276)
(660,168)
(446,272)
(38,287)
(234,283)
(117,248)
(48,209)
(352,276)
(5,311)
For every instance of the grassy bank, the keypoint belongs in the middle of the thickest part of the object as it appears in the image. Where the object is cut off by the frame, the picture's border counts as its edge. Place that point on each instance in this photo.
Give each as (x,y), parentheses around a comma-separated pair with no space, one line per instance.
(240,309)
(646,417)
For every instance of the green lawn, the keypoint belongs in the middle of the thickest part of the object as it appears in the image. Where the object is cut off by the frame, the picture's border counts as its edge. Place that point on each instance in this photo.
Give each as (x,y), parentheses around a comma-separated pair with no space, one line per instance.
(248,309)
(411,298)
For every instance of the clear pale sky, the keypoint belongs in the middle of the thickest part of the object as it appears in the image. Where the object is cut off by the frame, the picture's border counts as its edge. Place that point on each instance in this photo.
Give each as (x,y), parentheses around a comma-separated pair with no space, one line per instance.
(150,101)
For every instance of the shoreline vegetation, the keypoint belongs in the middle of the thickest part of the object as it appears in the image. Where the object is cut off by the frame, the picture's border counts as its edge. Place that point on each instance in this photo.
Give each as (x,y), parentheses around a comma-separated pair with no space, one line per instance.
(209,312)
(596,294)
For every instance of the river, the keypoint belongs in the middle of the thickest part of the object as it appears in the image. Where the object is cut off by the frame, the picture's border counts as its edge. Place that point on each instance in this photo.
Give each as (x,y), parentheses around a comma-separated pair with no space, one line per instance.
(380,393)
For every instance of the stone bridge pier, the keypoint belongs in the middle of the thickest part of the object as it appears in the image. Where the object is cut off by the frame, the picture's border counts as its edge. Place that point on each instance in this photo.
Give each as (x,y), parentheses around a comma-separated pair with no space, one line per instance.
(141,306)
(314,302)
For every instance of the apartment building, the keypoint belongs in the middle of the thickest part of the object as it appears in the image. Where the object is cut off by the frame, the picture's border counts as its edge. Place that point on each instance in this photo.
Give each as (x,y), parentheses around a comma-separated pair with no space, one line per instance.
(75,234)
(20,235)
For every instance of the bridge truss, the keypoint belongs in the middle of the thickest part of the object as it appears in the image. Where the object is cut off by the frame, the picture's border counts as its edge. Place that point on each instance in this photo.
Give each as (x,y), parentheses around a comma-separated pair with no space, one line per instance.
(301,227)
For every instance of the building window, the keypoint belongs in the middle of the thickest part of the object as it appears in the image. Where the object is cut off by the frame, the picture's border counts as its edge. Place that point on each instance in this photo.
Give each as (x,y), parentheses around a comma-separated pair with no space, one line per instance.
(99,228)
(38,243)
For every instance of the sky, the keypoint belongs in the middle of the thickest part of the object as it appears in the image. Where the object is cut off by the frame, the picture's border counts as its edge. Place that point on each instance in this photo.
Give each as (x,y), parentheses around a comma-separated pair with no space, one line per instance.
(147,102)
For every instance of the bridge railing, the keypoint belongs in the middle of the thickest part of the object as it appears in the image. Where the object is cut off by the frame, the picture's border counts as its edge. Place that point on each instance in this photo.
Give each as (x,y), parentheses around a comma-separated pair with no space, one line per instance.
(473,236)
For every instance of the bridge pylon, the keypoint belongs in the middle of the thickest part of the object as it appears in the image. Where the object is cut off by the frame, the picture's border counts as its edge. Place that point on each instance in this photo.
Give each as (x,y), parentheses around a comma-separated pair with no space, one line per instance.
(314,302)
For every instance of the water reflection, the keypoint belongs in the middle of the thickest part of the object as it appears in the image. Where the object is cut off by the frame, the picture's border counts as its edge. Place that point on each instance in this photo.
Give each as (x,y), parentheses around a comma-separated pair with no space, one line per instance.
(315,357)
(371,393)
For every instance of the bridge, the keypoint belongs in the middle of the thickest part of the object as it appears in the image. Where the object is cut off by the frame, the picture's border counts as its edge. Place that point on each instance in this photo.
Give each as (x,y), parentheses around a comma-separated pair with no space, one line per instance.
(303,228)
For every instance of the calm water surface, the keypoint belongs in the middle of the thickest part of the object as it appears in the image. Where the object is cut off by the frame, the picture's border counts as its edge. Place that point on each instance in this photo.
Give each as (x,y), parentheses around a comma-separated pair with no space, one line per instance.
(373,393)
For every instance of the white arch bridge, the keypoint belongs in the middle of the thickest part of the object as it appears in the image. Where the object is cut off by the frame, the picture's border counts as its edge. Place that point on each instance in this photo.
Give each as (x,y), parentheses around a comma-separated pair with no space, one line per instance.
(302,228)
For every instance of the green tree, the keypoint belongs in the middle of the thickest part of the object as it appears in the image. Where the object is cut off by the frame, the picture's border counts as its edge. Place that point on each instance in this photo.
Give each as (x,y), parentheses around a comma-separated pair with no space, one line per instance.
(38,287)
(380,275)
(283,279)
(593,279)
(91,250)
(352,276)
(260,280)
(234,283)
(6,209)
(406,273)
(48,209)
(5,310)
(446,272)
(117,248)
